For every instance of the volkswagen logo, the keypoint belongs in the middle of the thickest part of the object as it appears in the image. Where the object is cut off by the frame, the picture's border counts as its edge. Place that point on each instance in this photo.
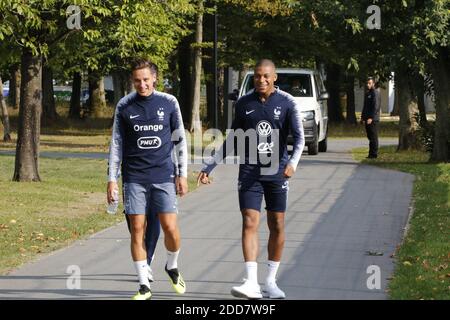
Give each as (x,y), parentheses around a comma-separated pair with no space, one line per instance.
(264,128)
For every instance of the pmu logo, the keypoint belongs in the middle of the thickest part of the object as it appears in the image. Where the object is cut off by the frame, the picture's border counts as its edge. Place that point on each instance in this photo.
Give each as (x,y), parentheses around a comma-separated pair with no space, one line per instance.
(264,128)
(149,142)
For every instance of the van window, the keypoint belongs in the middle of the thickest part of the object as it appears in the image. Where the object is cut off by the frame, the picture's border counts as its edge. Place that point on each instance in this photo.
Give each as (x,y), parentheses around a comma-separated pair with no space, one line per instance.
(298,85)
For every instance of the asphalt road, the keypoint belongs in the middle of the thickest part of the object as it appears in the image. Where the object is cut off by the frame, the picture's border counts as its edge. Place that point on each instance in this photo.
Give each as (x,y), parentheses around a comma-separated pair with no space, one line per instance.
(342,218)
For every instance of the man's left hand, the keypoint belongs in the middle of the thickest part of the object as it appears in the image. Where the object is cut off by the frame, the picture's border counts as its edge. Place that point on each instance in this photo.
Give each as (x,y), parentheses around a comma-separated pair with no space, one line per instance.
(181,185)
(289,171)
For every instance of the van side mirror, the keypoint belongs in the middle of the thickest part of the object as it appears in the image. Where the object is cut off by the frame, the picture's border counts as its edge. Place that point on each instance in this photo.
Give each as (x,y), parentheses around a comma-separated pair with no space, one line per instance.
(233,95)
(324,96)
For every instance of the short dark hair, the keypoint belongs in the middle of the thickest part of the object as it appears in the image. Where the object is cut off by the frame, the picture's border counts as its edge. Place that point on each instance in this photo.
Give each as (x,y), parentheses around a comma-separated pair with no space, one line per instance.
(264,62)
(141,63)
(370,78)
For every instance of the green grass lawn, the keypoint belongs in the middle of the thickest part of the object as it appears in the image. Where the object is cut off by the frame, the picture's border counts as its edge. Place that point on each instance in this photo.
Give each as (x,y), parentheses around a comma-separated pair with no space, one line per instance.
(87,135)
(386,129)
(94,135)
(422,262)
(69,204)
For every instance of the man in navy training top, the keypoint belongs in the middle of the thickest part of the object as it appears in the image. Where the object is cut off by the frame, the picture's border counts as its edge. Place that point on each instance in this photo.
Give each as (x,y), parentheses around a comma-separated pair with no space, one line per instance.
(271,114)
(148,147)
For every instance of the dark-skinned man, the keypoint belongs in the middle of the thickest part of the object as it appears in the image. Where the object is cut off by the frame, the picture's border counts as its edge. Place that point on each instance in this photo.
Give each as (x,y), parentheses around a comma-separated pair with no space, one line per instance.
(270,114)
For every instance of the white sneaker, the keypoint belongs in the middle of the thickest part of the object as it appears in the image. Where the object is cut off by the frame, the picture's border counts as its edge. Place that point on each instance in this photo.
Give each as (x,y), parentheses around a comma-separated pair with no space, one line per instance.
(272,291)
(150,274)
(248,290)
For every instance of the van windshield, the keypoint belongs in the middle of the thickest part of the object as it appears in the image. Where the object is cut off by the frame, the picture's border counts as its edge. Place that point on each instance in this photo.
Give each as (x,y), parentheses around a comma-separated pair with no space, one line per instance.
(298,85)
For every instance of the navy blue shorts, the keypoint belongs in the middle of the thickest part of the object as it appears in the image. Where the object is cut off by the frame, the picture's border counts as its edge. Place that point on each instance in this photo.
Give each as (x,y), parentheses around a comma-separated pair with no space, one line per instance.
(275,193)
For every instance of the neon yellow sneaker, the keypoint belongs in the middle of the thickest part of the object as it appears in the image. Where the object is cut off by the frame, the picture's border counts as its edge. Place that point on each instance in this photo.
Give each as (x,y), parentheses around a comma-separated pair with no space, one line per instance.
(176,280)
(144,293)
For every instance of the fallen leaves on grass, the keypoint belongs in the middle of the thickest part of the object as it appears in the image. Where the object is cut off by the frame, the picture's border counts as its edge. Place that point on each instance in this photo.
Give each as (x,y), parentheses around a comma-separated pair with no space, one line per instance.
(441,267)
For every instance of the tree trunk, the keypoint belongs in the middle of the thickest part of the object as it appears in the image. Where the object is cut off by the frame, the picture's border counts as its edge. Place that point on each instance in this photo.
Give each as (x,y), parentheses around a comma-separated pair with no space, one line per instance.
(195,121)
(334,102)
(208,60)
(419,89)
(407,102)
(350,91)
(221,99)
(75,97)
(119,90)
(128,83)
(4,115)
(185,85)
(208,68)
(27,149)
(97,99)
(14,87)
(441,78)
(48,100)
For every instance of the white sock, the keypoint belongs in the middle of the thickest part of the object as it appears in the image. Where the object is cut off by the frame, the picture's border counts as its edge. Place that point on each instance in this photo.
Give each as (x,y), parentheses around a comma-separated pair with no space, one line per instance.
(252,271)
(272,267)
(172,259)
(142,272)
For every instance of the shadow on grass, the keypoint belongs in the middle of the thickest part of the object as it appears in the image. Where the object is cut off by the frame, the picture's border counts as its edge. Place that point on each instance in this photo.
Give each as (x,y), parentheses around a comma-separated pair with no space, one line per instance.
(66,145)
(70,127)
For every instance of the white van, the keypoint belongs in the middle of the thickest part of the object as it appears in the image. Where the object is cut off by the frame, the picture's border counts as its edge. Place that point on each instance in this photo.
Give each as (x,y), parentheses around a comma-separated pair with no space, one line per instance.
(307,87)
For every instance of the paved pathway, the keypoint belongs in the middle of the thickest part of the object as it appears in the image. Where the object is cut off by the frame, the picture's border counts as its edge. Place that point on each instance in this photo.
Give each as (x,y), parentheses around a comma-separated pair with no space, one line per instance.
(339,214)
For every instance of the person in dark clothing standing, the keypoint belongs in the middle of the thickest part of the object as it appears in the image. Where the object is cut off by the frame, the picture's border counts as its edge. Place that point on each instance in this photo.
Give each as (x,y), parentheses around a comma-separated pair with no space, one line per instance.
(371,116)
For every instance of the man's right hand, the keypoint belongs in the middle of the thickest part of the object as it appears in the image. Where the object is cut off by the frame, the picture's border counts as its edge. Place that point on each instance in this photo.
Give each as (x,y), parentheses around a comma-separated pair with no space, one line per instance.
(203,178)
(110,189)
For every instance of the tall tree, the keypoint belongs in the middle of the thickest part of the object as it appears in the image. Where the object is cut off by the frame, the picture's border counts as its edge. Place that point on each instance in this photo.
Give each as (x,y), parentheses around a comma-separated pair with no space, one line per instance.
(48,100)
(440,69)
(197,72)
(27,148)
(408,137)
(45,26)
(97,98)
(14,86)
(334,88)
(111,31)
(75,103)
(184,62)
